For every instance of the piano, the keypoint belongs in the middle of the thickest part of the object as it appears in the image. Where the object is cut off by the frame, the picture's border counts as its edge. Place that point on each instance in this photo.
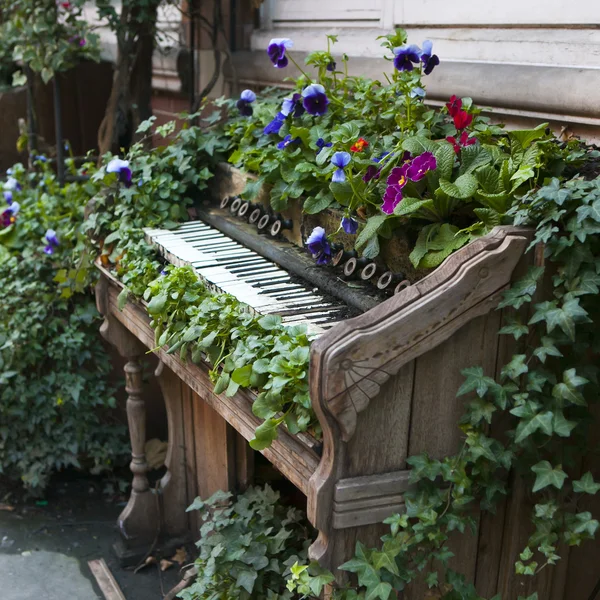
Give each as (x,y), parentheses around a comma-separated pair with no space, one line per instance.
(385,366)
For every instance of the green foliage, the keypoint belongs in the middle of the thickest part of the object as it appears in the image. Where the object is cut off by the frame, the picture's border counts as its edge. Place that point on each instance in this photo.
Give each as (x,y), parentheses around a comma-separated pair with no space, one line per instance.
(56,400)
(247,546)
(545,396)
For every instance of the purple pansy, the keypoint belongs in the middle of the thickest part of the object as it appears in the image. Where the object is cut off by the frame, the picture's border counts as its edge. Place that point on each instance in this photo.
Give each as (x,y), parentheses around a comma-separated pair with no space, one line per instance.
(8,196)
(276,51)
(293,104)
(322,144)
(247,97)
(331,66)
(315,101)
(340,160)
(318,246)
(350,225)
(393,193)
(275,125)
(371,173)
(405,56)
(12,184)
(420,165)
(429,60)
(286,141)
(52,240)
(8,217)
(121,168)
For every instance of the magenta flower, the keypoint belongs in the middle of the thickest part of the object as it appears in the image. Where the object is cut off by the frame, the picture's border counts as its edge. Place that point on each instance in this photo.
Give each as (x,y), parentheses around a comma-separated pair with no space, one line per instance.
(276,51)
(315,101)
(121,168)
(340,160)
(52,240)
(405,56)
(429,60)
(318,246)
(350,225)
(275,125)
(247,97)
(393,193)
(420,165)
(292,104)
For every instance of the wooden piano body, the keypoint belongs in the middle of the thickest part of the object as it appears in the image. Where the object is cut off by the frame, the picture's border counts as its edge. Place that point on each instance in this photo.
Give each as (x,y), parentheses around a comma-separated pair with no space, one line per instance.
(383,386)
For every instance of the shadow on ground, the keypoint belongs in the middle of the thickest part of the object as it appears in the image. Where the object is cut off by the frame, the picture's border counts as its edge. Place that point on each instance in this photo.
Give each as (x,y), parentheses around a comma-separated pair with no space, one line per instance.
(45,546)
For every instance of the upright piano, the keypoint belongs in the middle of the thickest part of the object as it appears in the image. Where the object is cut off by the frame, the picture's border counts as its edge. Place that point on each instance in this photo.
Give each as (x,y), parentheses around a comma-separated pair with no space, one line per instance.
(385,367)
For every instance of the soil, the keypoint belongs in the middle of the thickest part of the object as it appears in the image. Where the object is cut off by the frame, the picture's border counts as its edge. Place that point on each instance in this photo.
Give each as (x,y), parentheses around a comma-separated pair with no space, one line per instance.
(76,518)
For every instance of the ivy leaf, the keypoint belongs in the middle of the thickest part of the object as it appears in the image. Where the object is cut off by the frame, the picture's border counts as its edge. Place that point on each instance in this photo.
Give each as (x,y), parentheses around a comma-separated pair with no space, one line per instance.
(586,485)
(546,349)
(385,560)
(431,579)
(246,579)
(561,425)
(475,380)
(567,390)
(381,590)
(515,329)
(515,368)
(547,475)
(540,422)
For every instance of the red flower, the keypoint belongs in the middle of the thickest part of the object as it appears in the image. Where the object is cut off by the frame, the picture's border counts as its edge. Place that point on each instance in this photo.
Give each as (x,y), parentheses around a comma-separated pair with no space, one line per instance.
(454,105)
(462,119)
(359,145)
(464,141)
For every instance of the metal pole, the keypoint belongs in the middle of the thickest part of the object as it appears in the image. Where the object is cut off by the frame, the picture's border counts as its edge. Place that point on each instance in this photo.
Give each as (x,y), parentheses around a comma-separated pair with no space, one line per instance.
(31,124)
(58,132)
(192,55)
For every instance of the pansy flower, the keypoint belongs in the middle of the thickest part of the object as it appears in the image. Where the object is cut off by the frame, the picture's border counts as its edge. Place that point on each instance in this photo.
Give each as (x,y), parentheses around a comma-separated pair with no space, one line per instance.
(429,60)
(276,51)
(462,142)
(9,216)
(454,105)
(52,240)
(462,119)
(359,145)
(374,172)
(340,160)
(405,56)
(275,125)
(293,105)
(349,225)
(121,168)
(315,101)
(247,97)
(393,193)
(8,196)
(331,66)
(321,143)
(286,141)
(420,165)
(417,92)
(12,184)
(318,245)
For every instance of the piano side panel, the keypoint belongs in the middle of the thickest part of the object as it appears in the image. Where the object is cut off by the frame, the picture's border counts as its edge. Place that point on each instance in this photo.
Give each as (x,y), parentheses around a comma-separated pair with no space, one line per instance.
(190,454)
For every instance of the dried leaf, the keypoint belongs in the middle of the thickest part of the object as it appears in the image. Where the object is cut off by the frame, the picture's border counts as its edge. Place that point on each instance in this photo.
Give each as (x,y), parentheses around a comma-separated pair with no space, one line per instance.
(165,564)
(180,556)
(7,507)
(151,560)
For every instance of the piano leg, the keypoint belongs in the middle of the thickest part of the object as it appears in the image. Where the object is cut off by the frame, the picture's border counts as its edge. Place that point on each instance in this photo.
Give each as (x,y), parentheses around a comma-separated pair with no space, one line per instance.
(140,520)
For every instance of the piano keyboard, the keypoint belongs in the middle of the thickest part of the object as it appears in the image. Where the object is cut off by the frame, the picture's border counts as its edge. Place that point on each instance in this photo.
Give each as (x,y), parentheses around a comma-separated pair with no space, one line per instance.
(227,266)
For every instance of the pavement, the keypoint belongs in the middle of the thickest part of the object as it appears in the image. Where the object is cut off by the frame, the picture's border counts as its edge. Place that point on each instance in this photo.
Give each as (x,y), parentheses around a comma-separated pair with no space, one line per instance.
(45,546)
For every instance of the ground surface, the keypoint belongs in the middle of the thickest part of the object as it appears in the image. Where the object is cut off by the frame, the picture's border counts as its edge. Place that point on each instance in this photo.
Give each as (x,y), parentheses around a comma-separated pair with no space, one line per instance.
(45,548)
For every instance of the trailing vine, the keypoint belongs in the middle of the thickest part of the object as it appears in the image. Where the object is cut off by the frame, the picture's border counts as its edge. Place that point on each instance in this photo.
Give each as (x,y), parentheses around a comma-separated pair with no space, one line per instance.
(545,396)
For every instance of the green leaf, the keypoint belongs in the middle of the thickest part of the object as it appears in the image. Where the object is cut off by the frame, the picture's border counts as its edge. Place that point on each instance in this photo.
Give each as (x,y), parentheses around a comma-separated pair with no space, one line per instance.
(445,157)
(242,376)
(246,579)
(541,422)
(270,322)
(463,187)
(264,435)
(547,475)
(157,304)
(370,229)
(122,298)
(315,204)
(586,485)
(381,590)
(475,380)
(516,367)
(417,145)
(342,192)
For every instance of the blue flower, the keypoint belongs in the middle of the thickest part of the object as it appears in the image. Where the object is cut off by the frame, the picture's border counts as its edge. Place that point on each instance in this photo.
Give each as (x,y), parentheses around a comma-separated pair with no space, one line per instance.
(8,196)
(276,51)
(121,168)
(331,66)
(318,246)
(12,184)
(417,92)
(243,104)
(405,56)
(163,273)
(350,225)
(315,101)
(52,240)
(292,104)
(40,158)
(275,125)
(286,141)
(428,59)
(322,144)
(340,160)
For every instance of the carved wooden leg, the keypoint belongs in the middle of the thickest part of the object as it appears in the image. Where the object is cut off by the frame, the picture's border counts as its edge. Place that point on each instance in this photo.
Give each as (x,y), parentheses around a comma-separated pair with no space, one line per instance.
(139,520)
